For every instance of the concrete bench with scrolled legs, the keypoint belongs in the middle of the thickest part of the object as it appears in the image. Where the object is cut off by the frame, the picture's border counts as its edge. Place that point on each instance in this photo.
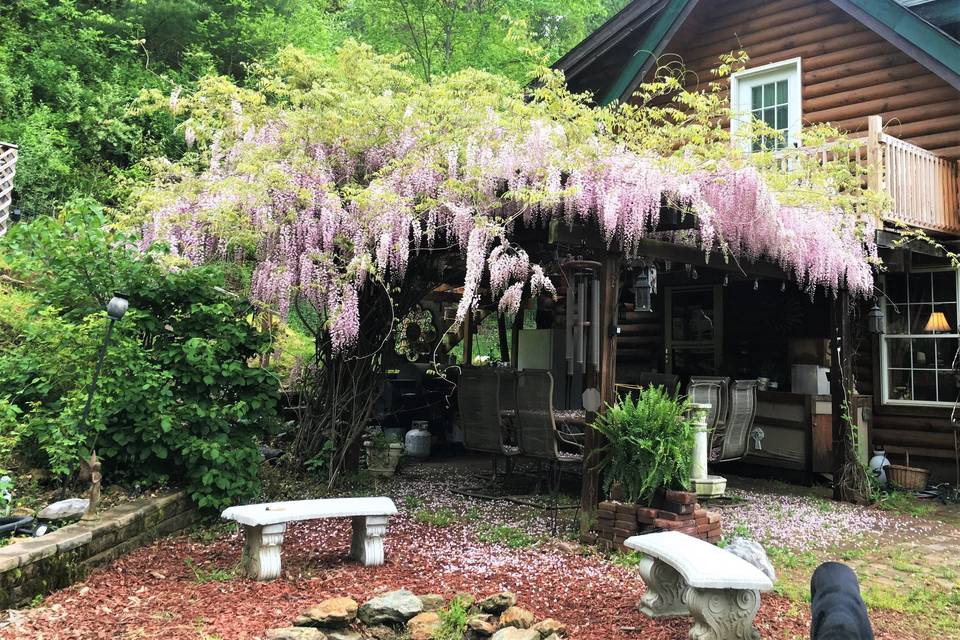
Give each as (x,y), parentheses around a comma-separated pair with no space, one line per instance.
(685,575)
(264,524)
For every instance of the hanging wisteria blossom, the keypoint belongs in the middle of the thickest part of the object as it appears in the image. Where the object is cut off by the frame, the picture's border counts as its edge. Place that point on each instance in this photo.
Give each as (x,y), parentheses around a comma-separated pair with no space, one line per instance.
(327,194)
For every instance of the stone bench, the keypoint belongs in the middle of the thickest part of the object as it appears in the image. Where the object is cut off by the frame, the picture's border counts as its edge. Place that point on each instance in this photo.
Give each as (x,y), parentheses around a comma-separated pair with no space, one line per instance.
(685,575)
(264,524)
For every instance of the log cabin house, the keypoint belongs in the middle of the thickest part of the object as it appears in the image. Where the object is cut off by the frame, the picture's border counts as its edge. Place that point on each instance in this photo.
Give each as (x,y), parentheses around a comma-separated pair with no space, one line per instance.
(884,70)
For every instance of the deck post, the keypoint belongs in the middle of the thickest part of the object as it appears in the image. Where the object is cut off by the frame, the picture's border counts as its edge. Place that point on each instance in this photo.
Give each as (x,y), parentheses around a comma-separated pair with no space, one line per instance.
(603,377)
(874,153)
(840,346)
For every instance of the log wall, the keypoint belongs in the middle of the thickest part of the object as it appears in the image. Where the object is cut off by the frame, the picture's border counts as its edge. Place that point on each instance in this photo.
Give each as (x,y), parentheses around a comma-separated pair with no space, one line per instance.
(849,72)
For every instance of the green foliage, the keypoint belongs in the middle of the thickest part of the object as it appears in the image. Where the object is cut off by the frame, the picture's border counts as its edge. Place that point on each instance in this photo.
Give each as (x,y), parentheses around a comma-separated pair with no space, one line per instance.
(903,503)
(649,443)
(177,398)
(506,535)
(71,69)
(627,559)
(6,495)
(442,517)
(453,620)
(204,576)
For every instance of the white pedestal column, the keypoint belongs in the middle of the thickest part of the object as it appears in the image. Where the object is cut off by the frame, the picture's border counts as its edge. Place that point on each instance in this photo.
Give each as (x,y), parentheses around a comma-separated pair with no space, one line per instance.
(701,442)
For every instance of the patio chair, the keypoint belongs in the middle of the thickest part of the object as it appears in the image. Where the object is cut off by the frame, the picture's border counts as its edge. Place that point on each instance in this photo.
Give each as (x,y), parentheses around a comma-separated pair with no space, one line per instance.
(743,408)
(646,380)
(712,390)
(479,400)
(537,430)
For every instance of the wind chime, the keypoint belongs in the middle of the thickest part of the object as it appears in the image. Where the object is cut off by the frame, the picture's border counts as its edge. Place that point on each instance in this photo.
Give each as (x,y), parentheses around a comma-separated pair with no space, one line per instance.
(582,317)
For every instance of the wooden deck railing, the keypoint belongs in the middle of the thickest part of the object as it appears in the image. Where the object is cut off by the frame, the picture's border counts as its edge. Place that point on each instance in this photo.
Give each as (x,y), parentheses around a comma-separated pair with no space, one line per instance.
(924,188)
(8,168)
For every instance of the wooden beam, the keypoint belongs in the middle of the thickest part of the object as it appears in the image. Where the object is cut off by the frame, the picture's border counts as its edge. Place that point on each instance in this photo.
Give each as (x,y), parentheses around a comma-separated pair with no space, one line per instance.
(468,339)
(603,379)
(502,335)
(840,350)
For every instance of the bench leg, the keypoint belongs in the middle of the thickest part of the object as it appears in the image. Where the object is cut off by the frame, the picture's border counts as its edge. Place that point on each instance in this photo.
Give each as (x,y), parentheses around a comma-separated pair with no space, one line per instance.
(723,614)
(261,551)
(666,593)
(367,544)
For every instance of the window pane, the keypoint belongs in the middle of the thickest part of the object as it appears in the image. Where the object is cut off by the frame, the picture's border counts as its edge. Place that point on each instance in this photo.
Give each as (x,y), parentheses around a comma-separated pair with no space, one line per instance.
(946,350)
(923,355)
(924,385)
(898,353)
(919,315)
(768,95)
(899,381)
(947,387)
(944,286)
(920,287)
(782,92)
(782,118)
(770,117)
(756,97)
(896,317)
(895,286)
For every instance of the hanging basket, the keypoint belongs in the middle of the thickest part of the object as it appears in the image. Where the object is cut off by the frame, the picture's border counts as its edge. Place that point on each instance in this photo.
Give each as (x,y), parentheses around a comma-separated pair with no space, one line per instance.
(907,477)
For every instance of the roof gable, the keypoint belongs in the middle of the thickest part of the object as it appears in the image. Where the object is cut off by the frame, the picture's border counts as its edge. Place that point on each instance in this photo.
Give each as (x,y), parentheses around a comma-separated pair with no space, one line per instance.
(613,60)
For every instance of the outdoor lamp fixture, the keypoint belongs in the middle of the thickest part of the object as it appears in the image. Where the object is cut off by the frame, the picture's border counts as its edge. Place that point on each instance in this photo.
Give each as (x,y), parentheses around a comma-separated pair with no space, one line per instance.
(644,286)
(116,308)
(937,323)
(875,319)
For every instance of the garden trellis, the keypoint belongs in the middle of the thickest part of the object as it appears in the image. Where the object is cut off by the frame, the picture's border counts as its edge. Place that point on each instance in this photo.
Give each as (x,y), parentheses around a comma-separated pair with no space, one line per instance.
(8,169)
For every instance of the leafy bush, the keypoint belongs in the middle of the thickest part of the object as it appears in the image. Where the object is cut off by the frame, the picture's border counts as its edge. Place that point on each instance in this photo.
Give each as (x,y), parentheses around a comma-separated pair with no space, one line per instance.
(649,443)
(178,399)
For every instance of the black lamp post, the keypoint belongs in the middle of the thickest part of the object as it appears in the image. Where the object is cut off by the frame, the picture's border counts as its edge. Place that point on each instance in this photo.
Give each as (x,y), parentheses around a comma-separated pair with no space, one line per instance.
(115,309)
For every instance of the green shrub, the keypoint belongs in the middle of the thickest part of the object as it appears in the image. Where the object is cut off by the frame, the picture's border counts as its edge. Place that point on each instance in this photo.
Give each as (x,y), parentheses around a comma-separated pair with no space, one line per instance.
(453,621)
(179,398)
(649,443)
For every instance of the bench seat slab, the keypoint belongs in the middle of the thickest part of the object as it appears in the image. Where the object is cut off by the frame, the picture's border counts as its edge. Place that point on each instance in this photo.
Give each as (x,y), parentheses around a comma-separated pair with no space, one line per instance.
(367,544)
(666,594)
(261,550)
(723,614)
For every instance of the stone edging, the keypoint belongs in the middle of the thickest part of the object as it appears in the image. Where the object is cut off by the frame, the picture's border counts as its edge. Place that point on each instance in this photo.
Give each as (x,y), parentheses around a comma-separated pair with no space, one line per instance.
(56,560)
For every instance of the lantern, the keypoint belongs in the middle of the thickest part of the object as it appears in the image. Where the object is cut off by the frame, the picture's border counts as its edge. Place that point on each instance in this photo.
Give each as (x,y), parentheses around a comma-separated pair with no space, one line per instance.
(875,320)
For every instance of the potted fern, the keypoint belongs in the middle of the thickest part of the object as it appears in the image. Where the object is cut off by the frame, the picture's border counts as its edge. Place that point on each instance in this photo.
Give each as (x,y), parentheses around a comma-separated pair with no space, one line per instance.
(649,446)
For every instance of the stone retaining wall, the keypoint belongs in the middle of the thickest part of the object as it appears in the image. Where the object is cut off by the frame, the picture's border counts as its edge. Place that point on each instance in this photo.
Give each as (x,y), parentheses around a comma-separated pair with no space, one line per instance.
(58,559)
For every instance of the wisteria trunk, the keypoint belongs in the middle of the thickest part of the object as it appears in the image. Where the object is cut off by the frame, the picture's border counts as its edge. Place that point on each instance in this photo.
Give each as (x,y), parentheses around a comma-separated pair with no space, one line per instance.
(339,390)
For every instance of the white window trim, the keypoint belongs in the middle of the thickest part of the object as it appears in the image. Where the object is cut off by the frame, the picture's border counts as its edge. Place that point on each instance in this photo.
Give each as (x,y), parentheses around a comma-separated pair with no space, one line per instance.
(741,115)
(884,370)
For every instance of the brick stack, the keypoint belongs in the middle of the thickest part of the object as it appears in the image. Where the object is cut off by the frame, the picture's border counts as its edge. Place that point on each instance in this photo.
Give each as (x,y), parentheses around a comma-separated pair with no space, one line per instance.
(676,511)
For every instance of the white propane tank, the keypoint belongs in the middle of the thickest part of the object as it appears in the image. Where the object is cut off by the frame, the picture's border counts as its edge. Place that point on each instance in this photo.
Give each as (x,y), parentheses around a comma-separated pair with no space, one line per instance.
(417,442)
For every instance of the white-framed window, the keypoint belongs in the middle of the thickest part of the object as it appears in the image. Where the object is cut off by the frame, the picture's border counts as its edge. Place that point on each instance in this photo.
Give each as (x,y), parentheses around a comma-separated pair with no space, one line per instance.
(921,338)
(770,93)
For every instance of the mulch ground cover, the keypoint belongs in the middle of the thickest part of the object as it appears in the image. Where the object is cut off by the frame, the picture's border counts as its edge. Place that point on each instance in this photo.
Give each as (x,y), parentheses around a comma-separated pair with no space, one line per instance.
(178,588)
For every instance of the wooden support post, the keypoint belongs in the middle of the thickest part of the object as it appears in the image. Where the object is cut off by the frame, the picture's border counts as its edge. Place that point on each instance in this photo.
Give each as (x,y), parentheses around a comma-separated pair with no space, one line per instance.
(502,334)
(874,153)
(515,336)
(840,347)
(468,338)
(602,378)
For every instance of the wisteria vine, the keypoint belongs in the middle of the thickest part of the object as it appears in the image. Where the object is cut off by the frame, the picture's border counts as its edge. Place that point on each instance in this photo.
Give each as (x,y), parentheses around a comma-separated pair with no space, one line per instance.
(322,213)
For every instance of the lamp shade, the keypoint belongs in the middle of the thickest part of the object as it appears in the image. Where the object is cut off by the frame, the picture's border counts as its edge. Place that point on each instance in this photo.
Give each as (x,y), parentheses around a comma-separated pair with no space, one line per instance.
(117,307)
(937,323)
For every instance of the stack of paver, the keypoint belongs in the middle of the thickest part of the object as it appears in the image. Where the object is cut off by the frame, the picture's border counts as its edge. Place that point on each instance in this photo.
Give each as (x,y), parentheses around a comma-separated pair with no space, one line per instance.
(674,511)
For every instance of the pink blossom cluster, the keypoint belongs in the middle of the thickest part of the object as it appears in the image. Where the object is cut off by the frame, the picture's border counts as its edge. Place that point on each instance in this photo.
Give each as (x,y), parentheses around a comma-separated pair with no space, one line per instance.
(327,217)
